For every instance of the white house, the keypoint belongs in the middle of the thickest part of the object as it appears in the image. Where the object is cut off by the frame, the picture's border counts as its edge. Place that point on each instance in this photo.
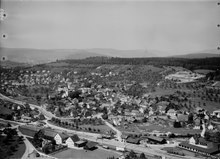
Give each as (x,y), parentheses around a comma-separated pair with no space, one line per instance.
(210,127)
(70,142)
(25,119)
(171,113)
(192,141)
(216,113)
(50,134)
(58,139)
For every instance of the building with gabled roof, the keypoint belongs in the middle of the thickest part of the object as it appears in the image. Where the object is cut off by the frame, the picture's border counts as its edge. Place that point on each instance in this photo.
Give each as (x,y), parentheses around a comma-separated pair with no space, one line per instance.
(50,134)
(90,146)
(216,113)
(156,140)
(29,130)
(200,145)
(212,149)
(133,140)
(70,142)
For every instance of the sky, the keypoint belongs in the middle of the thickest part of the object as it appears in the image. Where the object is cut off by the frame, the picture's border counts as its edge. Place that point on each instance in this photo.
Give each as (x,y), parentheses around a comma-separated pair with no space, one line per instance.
(162,25)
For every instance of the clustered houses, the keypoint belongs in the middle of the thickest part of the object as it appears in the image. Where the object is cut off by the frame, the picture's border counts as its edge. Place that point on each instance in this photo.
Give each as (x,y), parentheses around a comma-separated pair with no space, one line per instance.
(49,136)
(71,94)
(21,113)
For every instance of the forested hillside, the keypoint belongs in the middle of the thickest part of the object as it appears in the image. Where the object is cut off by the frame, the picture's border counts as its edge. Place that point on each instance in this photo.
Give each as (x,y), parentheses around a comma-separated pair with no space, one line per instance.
(191,64)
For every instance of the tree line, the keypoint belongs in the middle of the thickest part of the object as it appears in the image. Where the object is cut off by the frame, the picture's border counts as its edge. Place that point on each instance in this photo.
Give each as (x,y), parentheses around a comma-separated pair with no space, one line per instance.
(204,63)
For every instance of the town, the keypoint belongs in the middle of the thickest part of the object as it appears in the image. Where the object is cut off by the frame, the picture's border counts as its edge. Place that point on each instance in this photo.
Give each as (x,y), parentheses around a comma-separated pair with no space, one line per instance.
(65,110)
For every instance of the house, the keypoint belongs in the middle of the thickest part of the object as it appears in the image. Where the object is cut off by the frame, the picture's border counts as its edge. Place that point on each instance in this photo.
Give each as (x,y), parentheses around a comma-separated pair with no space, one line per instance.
(216,85)
(90,146)
(133,140)
(156,140)
(70,142)
(80,143)
(172,113)
(25,119)
(124,137)
(210,127)
(135,112)
(216,113)
(50,134)
(29,130)
(161,109)
(182,118)
(192,140)
(197,123)
(60,138)
(209,150)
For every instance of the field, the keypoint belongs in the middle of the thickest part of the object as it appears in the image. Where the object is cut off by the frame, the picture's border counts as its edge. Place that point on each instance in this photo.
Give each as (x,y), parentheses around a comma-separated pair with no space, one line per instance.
(203,71)
(5,110)
(210,106)
(162,92)
(17,153)
(188,153)
(102,128)
(149,128)
(83,154)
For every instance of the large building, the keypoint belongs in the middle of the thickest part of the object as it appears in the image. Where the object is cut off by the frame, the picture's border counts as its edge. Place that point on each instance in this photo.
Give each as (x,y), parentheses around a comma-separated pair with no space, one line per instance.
(200,145)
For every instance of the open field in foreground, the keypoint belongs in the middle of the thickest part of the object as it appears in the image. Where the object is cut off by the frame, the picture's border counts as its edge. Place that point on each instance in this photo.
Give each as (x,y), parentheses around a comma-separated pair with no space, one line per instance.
(83,154)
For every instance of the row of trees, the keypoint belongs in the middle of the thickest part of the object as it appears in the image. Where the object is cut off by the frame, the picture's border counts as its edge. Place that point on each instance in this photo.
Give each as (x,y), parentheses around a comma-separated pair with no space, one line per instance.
(74,125)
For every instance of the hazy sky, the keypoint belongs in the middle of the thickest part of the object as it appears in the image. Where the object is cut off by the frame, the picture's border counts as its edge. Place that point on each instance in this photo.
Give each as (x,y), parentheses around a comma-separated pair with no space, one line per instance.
(161,25)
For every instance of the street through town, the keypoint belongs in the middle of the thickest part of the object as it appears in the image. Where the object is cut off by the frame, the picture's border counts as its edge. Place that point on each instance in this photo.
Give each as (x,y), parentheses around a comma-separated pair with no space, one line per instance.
(94,136)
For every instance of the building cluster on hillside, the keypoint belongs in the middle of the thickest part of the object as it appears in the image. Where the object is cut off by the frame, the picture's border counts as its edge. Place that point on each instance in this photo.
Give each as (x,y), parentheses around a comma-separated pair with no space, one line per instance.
(20,113)
(70,94)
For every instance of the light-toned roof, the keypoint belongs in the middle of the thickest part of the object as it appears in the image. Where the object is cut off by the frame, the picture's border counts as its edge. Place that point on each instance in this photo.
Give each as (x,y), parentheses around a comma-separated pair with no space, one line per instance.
(217,110)
(80,142)
(171,111)
(216,84)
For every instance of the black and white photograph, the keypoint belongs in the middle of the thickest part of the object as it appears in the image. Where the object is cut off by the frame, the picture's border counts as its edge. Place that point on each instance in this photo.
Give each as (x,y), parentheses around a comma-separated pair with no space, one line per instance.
(110,79)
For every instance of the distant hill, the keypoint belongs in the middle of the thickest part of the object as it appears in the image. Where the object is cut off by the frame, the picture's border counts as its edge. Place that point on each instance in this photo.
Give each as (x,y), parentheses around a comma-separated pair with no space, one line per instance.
(125,53)
(12,64)
(198,55)
(37,56)
(82,55)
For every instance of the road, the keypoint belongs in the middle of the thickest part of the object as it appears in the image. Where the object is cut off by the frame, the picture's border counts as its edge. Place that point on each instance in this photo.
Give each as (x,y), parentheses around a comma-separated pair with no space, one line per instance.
(118,133)
(41,109)
(93,136)
(49,115)
(137,148)
(46,113)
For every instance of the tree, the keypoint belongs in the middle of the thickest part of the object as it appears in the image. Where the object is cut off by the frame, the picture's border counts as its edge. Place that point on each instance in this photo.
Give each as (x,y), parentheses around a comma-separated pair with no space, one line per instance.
(12,148)
(45,149)
(38,138)
(142,156)
(144,120)
(9,117)
(176,124)
(131,155)
(53,145)
(105,116)
(190,118)
(42,117)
